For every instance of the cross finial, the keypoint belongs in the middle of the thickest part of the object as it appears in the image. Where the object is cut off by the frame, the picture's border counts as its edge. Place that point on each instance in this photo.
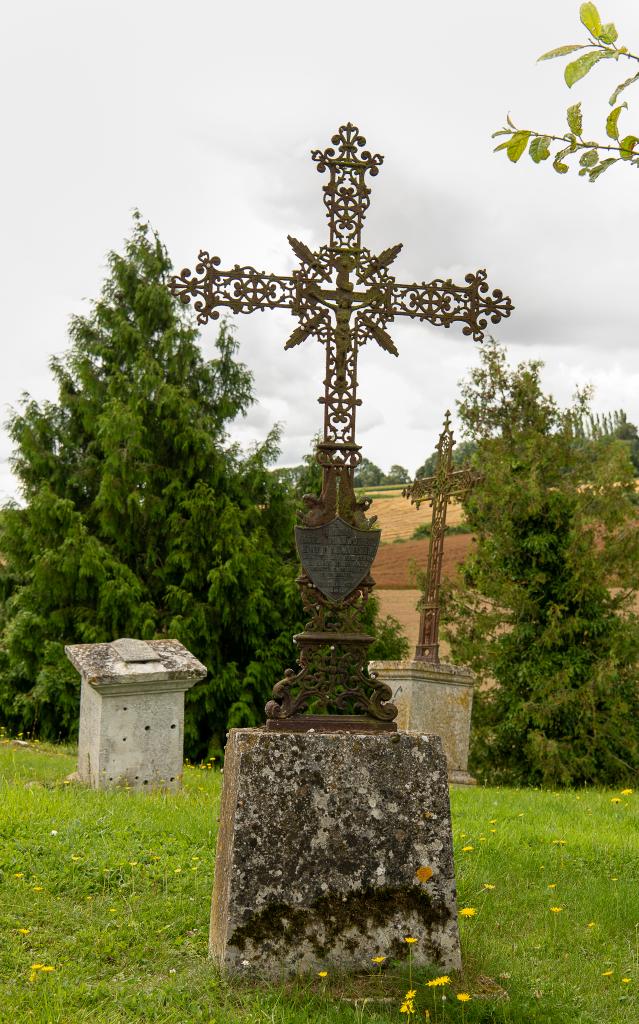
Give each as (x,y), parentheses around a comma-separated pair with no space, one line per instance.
(346,195)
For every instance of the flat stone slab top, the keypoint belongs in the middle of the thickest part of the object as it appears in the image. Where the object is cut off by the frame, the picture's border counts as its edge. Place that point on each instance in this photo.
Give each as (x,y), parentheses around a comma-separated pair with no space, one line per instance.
(132,711)
(115,666)
(333,847)
(434,699)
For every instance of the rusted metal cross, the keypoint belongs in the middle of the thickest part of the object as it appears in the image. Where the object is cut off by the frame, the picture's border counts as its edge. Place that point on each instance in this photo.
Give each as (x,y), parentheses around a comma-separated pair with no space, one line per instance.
(446,483)
(343,295)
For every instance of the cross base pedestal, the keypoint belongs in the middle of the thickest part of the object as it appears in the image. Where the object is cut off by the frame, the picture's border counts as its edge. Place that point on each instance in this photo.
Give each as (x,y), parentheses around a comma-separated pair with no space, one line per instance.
(333,847)
(434,699)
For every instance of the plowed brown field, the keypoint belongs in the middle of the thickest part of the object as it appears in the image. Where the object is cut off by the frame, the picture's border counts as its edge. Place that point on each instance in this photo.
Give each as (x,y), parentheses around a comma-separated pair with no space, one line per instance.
(402,605)
(392,567)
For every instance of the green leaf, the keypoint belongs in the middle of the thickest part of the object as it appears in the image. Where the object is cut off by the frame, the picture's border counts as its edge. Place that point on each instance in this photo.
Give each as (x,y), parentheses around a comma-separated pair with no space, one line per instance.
(608,33)
(589,158)
(580,67)
(502,145)
(561,51)
(540,148)
(603,166)
(517,145)
(624,85)
(627,146)
(589,16)
(558,164)
(612,128)
(575,121)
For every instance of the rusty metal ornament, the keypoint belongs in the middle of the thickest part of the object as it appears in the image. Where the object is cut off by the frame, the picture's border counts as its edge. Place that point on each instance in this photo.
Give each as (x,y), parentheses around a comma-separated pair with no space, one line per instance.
(343,295)
(446,483)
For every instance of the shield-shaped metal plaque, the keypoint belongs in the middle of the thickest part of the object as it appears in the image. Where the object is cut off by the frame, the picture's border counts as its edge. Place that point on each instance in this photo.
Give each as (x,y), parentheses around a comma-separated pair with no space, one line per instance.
(336,556)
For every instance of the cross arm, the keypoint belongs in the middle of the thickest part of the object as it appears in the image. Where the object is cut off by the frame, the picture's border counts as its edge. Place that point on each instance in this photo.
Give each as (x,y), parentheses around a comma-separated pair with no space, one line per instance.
(451,485)
(241,289)
(443,303)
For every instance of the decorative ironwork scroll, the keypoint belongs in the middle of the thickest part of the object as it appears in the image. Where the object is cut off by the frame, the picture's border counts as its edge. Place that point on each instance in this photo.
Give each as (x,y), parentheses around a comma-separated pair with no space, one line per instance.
(343,295)
(446,483)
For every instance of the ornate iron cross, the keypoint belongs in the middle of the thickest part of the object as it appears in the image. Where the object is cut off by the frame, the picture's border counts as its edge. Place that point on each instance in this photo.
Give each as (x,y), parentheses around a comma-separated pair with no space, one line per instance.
(343,295)
(446,483)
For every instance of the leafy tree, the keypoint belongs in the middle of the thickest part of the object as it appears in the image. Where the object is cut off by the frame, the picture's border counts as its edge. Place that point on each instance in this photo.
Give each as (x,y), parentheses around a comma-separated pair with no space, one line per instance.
(368,474)
(397,475)
(462,453)
(615,425)
(543,611)
(595,157)
(139,518)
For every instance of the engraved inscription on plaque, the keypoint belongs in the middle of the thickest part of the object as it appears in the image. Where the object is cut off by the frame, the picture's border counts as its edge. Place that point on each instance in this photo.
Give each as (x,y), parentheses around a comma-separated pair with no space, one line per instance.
(337,557)
(134,650)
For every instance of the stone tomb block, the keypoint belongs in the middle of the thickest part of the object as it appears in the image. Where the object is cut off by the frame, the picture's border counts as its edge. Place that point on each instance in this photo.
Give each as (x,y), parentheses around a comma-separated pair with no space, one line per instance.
(132,711)
(434,699)
(332,848)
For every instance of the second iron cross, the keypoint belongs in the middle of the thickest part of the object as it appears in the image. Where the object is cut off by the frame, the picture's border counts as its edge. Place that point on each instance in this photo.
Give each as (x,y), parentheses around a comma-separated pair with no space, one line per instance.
(343,295)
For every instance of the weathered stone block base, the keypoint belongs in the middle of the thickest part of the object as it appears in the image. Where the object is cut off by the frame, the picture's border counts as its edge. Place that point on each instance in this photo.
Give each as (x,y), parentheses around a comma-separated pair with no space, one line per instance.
(332,848)
(434,699)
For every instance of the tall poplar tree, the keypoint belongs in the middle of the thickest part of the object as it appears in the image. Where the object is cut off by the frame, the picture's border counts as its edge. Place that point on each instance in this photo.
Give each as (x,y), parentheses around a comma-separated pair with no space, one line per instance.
(138,516)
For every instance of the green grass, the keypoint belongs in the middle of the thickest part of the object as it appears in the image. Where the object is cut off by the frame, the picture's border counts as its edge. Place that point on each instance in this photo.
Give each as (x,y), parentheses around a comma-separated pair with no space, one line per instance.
(115,889)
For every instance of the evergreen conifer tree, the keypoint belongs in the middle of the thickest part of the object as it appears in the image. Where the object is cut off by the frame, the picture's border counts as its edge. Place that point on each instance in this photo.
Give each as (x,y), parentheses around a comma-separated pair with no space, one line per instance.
(139,518)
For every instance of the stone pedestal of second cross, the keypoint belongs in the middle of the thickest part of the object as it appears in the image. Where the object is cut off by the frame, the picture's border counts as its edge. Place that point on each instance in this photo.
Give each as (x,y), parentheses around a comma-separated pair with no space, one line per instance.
(436,699)
(132,711)
(333,847)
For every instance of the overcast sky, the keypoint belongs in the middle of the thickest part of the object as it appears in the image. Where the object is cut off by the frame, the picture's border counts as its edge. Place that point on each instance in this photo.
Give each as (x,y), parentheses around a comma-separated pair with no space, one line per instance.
(202,115)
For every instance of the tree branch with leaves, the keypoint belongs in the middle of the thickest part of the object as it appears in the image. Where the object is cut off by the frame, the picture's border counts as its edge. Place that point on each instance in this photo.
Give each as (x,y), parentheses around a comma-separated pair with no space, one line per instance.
(594,157)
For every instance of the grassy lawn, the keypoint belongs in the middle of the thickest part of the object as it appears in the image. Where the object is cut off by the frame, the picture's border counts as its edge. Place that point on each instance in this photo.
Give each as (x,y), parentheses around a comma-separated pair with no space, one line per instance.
(113,891)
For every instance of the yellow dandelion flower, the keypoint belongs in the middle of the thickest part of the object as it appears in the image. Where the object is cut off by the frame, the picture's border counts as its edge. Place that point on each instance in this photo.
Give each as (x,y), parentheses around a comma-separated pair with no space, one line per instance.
(409,939)
(626,981)
(493,830)
(23,931)
(377,959)
(615,800)
(436,982)
(488,885)
(112,910)
(47,970)
(38,888)
(493,821)
(74,856)
(467,912)
(19,874)
(552,885)
(556,910)
(614,878)
(133,863)
(405,1008)
(591,924)
(410,994)
(606,974)
(559,842)
(467,849)
(322,974)
(626,792)
(464,997)
(177,871)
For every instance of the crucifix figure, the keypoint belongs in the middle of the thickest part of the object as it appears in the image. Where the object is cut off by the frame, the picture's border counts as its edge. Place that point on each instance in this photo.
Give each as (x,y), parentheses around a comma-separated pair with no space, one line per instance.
(446,483)
(343,295)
